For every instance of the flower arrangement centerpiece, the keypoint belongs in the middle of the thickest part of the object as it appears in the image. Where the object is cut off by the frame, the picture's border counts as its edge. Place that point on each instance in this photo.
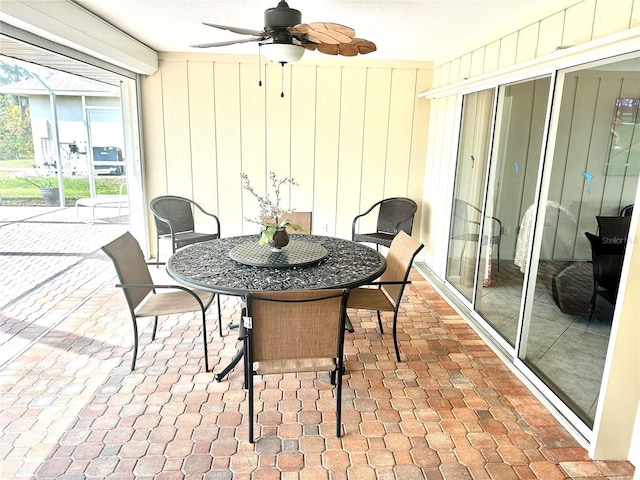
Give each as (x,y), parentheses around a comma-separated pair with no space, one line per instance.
(270,218)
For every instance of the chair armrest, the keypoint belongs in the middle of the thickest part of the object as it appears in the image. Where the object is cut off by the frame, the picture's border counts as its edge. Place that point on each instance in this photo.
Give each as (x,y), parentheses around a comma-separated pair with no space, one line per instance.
(407,282)
(156,286)
(357,217)
(212,215)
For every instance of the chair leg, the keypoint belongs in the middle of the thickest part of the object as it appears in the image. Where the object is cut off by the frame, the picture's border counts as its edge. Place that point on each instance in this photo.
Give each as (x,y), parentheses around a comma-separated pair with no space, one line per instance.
(157,251)
(204,338)
(395,329)
(155,328)
(340,371)
(380,322)
(219,316)
(135,344)
(250,388)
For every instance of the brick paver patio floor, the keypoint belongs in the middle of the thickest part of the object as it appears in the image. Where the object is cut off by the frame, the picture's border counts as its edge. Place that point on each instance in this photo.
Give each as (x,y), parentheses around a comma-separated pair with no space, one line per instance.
(72,409)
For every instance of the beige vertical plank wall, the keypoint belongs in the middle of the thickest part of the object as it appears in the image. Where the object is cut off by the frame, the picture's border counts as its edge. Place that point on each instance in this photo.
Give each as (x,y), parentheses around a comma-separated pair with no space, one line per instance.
(588,22)
(349,131)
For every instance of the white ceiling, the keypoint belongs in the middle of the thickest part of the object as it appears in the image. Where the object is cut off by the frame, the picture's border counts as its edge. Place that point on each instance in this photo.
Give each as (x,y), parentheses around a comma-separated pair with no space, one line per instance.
(421,30)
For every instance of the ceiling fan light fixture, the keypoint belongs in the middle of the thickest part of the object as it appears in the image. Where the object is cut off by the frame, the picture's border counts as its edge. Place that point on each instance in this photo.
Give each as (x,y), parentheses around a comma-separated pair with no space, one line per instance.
(282,52)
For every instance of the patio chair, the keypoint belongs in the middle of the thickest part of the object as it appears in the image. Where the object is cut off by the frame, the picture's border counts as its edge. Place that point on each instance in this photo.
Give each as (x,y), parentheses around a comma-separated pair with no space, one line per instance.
(295,331)
(385,294)
(394,214)
(173,216)
(466,227)
(142,298)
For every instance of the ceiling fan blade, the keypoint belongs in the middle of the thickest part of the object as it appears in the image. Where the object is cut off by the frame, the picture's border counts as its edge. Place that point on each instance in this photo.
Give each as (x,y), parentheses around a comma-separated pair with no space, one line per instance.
(328,48)
(364,46)
(323,32)
(228,42)
(351,49)
(241,31)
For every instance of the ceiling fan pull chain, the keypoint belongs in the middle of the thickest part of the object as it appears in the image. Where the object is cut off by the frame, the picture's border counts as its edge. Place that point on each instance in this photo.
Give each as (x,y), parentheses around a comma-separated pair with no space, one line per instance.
(259,65)
(282,80)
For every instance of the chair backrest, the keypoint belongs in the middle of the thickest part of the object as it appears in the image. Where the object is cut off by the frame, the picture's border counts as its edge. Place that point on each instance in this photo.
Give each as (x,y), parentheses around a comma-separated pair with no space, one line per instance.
(614,230)
(403,250)
(396,212)
(626,211)
(127,257)
(297,324)
(172,212)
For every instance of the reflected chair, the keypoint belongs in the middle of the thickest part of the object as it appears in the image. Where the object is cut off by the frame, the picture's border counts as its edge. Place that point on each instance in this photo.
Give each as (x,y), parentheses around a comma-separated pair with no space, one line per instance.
(394,214)
(385,294)
(607,255)
(295,331)
(174,220)
(626,211)
(142,298)
(466,227)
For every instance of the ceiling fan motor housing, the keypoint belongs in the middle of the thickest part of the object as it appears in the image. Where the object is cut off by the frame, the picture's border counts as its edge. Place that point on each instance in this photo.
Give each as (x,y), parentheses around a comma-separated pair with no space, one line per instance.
(281,17)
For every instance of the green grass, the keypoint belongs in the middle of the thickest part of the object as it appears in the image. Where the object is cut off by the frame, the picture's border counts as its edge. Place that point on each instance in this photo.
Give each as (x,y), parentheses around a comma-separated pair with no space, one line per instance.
(16,191)
(21,163)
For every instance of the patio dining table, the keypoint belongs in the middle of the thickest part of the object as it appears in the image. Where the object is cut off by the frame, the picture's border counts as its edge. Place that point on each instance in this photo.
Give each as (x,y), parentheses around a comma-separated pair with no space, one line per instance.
(238,265)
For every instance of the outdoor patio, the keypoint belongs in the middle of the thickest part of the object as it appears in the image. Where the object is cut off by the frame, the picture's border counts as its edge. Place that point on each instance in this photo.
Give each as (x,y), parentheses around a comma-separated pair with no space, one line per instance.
(72,409)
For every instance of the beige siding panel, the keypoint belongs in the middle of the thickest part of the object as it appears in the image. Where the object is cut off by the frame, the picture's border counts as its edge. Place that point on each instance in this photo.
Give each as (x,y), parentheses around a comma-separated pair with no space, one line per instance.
(527,43)
(403,93)
(465,67)
(278,110)
(578,25)
(550,37)
(635,15)
(203,141)
(303,125)
(605,23)
(376,130)
(456,73)
(229,153)
(438,181)
(491,57)
(446,75)
(419,145)
(354,82)
(508,50)
(252,160)
(177,137)
(477,62)
(155,175)
(437,75)
(327,146)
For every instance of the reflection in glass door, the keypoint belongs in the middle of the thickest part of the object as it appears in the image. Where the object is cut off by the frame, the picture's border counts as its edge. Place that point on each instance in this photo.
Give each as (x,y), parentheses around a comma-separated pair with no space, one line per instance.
(515,162)
(581,236)
(471,170)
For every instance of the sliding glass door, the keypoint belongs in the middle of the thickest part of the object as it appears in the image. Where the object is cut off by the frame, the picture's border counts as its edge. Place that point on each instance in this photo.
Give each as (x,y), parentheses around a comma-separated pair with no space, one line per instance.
(540,221)
(473,159)
(515,164)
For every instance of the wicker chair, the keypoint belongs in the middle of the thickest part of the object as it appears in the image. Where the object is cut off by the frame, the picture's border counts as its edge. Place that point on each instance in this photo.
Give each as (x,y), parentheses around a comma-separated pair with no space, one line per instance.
(394,214)
(387,295)
(174,219)
(140,292)
(295,331)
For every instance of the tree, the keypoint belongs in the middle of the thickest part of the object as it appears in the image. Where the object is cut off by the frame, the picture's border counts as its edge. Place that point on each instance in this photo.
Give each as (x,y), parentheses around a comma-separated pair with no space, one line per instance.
(16,140)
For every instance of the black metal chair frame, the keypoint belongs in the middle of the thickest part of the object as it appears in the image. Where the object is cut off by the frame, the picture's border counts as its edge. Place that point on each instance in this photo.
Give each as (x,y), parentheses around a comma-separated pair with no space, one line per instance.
(394,214)
(181,231)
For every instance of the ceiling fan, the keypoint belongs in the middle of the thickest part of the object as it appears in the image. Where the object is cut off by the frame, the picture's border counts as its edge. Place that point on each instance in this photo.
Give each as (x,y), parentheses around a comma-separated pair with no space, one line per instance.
(284,38)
